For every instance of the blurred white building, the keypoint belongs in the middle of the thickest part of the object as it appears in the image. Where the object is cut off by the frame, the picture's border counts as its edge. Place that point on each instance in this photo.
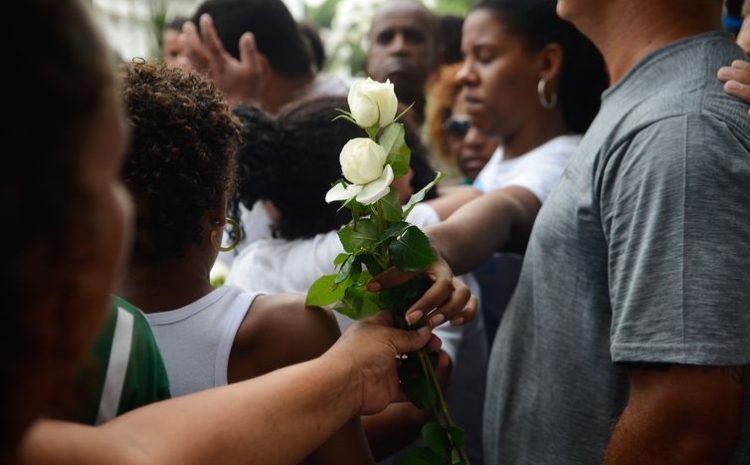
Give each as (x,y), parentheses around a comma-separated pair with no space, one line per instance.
(125,23)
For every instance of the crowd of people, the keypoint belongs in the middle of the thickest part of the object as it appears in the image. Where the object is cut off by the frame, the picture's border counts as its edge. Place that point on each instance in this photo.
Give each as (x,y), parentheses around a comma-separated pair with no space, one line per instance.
(606,145)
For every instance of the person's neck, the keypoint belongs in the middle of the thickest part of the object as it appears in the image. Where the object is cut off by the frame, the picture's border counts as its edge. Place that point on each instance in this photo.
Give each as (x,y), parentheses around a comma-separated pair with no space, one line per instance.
(551,124)
(633,30)
(282,90)
(169,283)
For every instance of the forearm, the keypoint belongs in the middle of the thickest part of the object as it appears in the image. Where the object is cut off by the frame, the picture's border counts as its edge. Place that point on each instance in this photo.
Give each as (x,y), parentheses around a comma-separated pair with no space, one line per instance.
(454,199)
(273,419)
(483,226)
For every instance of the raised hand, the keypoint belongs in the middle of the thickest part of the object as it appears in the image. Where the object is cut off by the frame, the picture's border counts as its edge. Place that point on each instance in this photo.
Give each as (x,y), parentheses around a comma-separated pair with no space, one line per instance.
(241,80)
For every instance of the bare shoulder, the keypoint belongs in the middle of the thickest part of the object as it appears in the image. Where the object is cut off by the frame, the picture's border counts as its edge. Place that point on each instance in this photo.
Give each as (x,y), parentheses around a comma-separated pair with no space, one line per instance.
(279,330)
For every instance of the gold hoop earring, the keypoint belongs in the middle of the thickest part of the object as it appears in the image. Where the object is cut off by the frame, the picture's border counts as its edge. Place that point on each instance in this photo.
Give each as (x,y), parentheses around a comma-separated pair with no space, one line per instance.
(546,104)
(236,235)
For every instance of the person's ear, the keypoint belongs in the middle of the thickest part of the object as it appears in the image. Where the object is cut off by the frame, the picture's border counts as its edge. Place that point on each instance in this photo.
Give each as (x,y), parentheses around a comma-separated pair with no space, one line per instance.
(550,60)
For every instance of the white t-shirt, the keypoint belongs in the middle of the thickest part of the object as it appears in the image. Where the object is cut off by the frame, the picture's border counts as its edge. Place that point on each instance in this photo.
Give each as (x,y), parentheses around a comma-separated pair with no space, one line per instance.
(537,170)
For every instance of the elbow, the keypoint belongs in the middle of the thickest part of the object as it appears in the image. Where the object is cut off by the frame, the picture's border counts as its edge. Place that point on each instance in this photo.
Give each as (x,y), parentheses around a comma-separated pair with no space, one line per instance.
(706,440)
(694,434)
(702,448)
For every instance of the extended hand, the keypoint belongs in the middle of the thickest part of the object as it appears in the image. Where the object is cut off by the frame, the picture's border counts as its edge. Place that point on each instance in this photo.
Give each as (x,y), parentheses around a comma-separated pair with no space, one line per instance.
(448,299)
(736,79)
(371,347)
(241,80)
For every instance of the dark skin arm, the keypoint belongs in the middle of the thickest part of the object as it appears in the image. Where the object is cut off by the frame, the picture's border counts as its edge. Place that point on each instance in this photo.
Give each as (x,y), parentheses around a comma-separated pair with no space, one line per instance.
(499,220)
(220,425)
(308,332)
(279,331)
(452,199)
(678,414)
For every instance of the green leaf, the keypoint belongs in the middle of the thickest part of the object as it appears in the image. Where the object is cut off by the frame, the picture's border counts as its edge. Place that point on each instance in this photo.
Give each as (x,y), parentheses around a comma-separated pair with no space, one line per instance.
(324,291)
(456,436)
(391,206)
(345,270)
(423,456)
(361,237)
(340,258)
(411,250)
(371,263)
(358,303)
(399,161)
(392,231)
(419,196)
(392,138)
(394,143)
(435,437)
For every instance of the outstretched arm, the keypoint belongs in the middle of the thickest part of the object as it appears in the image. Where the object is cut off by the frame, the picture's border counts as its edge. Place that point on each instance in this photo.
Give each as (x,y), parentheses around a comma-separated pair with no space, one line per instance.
(278,331)
(501,219)
(274,419)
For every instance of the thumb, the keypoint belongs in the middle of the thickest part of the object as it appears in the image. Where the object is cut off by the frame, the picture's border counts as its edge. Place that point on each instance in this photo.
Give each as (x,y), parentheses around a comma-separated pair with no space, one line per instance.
(410,341)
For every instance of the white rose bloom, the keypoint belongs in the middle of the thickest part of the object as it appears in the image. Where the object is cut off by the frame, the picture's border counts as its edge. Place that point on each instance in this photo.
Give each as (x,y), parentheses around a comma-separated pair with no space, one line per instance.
(365,194)
(362,160)
(377,189)
(372,102)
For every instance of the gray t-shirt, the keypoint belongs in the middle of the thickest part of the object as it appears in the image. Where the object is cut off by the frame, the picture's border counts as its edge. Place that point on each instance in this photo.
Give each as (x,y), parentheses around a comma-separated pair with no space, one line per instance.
(641,253)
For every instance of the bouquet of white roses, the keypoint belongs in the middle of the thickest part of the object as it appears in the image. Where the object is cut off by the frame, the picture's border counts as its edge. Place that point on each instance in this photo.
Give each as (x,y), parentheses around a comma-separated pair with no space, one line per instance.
(380,237)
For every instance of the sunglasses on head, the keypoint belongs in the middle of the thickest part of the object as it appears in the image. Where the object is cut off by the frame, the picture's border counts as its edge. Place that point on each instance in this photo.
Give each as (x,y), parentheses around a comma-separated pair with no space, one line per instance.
(457,126)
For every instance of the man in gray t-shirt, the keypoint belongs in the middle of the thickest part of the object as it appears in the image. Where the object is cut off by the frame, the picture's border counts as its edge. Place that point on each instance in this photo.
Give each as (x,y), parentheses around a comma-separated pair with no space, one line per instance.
(629,332)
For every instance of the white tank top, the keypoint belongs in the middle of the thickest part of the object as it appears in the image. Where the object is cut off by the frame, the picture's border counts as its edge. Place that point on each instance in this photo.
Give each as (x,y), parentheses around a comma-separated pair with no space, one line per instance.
(195,340)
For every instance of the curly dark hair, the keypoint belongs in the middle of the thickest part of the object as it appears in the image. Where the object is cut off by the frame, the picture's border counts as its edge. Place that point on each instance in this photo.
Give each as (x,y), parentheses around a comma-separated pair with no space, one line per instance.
(182,159)
(293,161)
(60,77)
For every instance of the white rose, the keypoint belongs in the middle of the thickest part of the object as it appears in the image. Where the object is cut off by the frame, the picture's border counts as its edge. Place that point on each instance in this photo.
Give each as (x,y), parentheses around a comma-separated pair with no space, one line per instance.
(372,102)
(362,160)
(365,193)
(363,164)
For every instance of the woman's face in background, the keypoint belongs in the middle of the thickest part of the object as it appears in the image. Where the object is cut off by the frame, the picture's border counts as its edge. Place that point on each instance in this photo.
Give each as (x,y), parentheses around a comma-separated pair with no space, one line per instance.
(499,76)
(469,146)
